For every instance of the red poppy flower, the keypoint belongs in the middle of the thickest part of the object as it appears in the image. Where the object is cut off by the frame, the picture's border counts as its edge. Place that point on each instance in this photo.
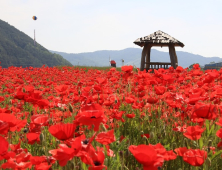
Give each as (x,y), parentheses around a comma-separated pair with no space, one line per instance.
(17,149)
(1,99)
(13,122)
(106,138)
(12,163)
(130,115)
(40,119)
(91,114)
(195,157)
(43,166)
(129,100)
(160,90)
(219,133)
(179,69)
(151,100)
(169,155)
(43,103)
(127,68)
(29,88)
(147,156)
(101,80)
(35,160)
(146,135)
(121,138)
(4,127)
(95,158)
(220,122)
(109,151)
(33,137)
(3,146)
(23,157)
(9,118)
(61,88)
(20,95)
(63,154)
(180,151)
(196,66)
(207,111)
(62,131)
(193,132)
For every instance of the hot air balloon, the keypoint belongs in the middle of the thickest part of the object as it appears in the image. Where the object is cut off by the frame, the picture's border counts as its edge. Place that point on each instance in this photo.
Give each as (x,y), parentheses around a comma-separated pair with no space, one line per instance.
(34,18)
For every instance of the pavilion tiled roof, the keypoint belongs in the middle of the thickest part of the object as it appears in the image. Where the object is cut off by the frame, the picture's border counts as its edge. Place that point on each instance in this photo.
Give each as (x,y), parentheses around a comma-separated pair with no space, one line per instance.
(158,38)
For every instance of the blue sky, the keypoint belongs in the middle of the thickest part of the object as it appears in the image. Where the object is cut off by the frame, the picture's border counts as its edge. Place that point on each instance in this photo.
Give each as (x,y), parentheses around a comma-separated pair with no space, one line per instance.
(76,26)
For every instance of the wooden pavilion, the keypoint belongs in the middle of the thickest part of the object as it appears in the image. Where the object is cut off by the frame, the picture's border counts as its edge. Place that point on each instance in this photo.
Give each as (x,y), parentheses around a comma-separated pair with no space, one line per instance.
(162,39)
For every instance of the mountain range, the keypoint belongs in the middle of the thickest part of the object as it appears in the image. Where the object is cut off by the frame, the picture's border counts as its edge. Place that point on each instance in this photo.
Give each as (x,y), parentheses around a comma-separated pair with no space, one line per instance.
(132,56)
(18,49)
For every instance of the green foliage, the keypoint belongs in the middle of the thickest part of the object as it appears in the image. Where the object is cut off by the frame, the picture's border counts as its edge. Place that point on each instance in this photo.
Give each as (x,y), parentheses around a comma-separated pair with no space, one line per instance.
(18,49)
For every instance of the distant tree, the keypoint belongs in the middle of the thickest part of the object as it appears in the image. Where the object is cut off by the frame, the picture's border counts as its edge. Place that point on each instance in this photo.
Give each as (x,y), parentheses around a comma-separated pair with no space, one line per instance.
(212,62)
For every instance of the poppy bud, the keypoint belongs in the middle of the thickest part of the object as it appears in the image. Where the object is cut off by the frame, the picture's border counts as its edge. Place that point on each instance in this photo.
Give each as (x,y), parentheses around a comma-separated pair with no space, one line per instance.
(25,130)
(142,133)
(209,143)
(151,135)
(62,109)
(50,121)
(174,146)
(163,133)
(185,142)
(121,153)
(43,149)
(72,166)
(208,162)
(194,143)
(127,153)
(70,108)
(106,161)
(41,137)
(104,128)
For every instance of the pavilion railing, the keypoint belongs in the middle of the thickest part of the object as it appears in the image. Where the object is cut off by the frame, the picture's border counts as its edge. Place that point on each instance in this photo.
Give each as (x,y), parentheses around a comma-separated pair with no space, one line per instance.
(157,65)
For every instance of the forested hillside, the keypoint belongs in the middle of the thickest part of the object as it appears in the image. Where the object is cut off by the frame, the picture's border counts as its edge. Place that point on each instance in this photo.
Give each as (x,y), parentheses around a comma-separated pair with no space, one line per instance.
(18,49)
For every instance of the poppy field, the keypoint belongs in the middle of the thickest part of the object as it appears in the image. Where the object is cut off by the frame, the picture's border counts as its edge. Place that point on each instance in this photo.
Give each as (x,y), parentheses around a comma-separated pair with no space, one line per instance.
(71,118)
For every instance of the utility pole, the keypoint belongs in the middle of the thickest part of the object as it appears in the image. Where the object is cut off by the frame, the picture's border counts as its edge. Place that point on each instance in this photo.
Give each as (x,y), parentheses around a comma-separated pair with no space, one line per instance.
(34,37)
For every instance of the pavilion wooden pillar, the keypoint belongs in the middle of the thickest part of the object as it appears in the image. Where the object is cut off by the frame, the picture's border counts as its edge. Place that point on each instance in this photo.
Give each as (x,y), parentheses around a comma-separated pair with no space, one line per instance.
(148,57)
(173,56)
(145,57)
